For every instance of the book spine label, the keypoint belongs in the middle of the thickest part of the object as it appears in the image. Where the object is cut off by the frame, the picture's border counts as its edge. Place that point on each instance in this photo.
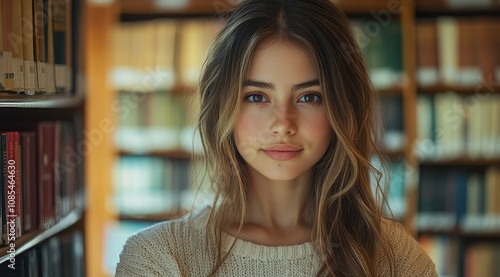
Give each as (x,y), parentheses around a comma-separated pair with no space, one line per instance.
(41,76)
(51,86)
(2,74)
(8,75)
(30,77)
(18,70)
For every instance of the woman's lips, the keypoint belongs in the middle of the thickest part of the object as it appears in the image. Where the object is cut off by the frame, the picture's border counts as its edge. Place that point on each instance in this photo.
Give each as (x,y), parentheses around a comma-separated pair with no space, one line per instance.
(282,152)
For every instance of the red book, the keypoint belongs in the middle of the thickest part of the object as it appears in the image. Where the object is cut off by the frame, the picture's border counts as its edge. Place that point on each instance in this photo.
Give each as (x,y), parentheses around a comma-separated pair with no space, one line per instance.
(45,173)
(30,198)
(58,172)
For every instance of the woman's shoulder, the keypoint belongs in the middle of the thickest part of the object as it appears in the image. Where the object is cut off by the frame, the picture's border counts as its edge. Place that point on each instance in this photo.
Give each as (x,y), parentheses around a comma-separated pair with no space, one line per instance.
(409,256)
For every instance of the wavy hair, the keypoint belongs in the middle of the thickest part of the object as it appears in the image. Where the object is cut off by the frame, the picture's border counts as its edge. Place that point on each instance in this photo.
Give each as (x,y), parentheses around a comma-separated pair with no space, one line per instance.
(345,218)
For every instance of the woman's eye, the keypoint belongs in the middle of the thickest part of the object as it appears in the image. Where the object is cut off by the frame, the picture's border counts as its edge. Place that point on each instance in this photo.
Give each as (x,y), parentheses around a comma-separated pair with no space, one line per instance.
(256,98)
(310,98)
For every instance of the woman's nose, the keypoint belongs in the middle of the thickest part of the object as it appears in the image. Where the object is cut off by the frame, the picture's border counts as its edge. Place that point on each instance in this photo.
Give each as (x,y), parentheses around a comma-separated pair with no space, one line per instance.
(284,121)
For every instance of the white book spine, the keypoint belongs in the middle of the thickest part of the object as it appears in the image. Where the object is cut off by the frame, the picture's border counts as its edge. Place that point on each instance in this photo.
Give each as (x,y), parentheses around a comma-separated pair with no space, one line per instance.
(29,77)
(41,76)
(18,70)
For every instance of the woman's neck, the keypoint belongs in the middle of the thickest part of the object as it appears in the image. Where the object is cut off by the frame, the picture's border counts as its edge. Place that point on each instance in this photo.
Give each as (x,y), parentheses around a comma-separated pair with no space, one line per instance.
(275,212)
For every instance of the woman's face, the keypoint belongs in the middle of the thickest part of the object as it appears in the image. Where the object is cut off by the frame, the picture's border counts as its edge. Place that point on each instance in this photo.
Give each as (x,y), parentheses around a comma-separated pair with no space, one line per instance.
(282,129)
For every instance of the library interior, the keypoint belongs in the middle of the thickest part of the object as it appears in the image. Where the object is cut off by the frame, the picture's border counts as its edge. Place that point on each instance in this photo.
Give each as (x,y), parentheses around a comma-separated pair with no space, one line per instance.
(98,137)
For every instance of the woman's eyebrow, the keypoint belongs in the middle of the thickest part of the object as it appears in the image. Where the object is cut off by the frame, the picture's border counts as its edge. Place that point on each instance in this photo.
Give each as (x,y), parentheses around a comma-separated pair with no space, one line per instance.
(270,86)
(307,84)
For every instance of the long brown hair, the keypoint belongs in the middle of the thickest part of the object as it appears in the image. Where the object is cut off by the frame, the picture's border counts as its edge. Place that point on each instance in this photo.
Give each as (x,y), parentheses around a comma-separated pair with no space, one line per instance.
(346,220)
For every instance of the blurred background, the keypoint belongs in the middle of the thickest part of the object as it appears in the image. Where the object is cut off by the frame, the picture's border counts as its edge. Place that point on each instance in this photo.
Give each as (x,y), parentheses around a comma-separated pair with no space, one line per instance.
(128,99)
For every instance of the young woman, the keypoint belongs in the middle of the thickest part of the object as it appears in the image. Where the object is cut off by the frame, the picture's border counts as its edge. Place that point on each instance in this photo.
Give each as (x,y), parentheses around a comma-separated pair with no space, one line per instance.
(288,127)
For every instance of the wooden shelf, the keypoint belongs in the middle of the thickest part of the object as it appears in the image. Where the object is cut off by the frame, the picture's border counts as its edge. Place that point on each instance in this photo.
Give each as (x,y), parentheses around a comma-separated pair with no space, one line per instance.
(34,238)
(170,154)
(179,90)
(395,90)
(203,7)
(459,89)
(458,232)
(393,154)
(461,161)
(435,7)
(153,217)
(13,100)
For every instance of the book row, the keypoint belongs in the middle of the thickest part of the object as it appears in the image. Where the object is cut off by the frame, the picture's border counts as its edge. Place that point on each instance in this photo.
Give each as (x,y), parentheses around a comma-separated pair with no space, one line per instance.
(452,197)
(154,185)
(160,54)
(59,256)
(450,125)
(41,180)
(455,258)
(35,46)
(458,50)
(166,54)
(155,122)
(381,45)
(393,185)
(151,185)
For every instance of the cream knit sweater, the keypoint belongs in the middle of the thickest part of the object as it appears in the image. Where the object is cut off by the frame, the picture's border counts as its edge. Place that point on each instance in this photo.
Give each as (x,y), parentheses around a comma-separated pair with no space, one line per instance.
(178,248)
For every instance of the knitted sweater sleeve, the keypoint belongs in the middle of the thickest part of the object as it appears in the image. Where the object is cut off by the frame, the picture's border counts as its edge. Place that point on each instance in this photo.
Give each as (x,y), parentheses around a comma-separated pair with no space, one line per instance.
(410,258)
(147,254)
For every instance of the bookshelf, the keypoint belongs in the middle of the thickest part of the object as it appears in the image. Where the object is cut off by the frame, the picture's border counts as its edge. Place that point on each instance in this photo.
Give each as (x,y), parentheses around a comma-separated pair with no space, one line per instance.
(458,222)
(413,87)
(42,104)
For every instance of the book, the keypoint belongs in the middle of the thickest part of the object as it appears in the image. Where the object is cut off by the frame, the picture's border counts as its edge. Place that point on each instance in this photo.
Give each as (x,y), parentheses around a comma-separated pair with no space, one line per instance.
(492,205)
(496,34)
(28,47)
(449,125)
(165,57)
(487,47)
(469,72)
(436,200)
(488,139)
(427,56)
(40,20)
(425,146)
(62,45)
(2,66)
(495,127)
(144,185)
(29,190)
(475,129)
(8,74)
(383,54)
(194,38)
(49,45)
(46,181)
(57,172)
(447,33)
(16,40)
(444,252)
(391,108)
